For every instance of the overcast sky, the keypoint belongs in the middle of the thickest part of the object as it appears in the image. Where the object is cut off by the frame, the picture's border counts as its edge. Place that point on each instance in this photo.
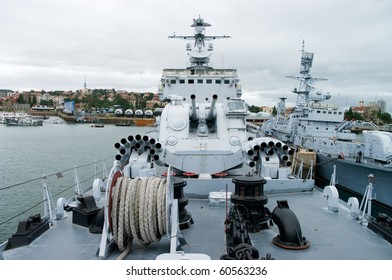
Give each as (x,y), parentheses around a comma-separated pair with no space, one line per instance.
(123,44)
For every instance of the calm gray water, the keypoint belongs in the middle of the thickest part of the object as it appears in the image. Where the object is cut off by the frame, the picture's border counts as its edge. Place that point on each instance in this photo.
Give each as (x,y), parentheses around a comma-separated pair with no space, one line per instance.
(26,153)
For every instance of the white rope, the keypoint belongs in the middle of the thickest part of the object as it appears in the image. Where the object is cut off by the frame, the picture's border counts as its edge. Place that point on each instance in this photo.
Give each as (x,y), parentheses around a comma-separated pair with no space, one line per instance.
(115,202)
(122,237)
(162,207)
(143,211)
(134,209)
(138,211)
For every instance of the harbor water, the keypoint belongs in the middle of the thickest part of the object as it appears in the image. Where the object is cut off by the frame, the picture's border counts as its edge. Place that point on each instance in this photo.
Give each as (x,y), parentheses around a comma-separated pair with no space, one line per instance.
(53,150)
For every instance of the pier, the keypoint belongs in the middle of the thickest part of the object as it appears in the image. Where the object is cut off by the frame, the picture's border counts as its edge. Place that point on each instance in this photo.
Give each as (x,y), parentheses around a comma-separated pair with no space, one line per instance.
(104,118)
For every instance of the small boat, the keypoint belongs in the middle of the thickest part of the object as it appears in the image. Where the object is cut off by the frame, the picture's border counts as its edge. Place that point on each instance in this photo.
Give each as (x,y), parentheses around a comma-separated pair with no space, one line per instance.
(57,121)
(97,125)
(24,121)
(144,122)
(128,123)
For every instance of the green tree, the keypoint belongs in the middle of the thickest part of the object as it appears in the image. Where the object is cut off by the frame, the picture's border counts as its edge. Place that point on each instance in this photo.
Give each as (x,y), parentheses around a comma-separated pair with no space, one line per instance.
(254,109)
(274,112)
(350,115)
(118,100)
(385,117)
(20,99)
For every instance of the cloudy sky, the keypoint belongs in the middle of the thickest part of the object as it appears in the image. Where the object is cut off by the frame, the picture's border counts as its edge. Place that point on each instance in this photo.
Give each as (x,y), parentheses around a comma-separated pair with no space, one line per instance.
(123,44)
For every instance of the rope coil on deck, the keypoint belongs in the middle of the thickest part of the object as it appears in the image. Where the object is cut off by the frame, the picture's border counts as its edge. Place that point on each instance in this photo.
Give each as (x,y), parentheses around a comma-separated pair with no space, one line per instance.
(138,211)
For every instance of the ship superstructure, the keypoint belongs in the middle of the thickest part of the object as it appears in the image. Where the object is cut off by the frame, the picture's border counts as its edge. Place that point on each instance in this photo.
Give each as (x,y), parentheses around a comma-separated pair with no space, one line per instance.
(320,126)
(203,128)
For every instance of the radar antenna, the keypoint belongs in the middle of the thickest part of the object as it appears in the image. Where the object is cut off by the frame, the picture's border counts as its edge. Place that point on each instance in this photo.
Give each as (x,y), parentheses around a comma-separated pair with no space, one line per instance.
(306,80)
(199,54)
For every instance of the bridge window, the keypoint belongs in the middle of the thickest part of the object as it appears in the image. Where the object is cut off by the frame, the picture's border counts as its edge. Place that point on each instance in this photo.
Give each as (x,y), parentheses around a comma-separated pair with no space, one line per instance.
(209,81)
(182,81)
(191,81)
(172,82)
(227,82)
(200,81)
(218,81)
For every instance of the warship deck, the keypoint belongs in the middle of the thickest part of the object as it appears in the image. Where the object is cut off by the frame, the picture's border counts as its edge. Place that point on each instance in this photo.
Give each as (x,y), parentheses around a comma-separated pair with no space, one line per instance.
(333,236)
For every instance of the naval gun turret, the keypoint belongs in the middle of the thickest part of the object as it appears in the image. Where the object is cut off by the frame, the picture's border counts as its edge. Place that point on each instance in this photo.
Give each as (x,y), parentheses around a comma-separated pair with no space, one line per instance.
(199,115)
(203,130)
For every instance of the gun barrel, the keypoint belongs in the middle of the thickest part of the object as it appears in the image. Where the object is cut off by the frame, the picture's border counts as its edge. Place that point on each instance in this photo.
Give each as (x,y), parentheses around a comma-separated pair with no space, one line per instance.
(193,112)
(211,113)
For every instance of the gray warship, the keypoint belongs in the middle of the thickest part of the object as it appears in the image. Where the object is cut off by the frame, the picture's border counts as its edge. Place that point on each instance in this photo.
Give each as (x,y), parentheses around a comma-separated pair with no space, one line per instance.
(320,126)
(201,187)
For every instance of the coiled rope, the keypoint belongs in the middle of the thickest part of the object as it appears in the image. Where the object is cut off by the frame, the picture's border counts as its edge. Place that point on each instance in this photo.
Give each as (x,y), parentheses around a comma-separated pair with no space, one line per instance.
(138,211)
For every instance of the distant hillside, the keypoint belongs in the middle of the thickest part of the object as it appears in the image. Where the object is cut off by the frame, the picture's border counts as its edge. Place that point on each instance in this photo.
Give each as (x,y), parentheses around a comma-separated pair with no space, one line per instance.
(5,90)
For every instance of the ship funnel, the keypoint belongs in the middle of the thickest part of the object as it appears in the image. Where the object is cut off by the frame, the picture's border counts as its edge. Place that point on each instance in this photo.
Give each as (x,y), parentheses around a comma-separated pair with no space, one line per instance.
(193,112)
(212,113)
